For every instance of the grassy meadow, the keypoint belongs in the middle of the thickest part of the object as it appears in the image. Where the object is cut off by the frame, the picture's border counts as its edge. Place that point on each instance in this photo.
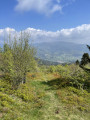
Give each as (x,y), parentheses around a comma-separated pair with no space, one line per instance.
(52,93)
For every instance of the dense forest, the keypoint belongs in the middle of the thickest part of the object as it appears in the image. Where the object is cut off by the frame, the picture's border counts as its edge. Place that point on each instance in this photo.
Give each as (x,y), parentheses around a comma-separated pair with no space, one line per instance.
(32,89)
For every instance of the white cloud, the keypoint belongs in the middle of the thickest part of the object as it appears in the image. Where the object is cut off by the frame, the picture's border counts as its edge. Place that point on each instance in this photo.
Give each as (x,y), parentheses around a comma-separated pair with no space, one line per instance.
(46,7)
(41,6)
(56,8)
(80,34)
(5,33)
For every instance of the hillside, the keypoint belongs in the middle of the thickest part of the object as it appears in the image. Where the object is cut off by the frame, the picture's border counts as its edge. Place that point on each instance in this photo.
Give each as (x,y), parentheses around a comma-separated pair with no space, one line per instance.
(60,51)
(42,98)
(30,90)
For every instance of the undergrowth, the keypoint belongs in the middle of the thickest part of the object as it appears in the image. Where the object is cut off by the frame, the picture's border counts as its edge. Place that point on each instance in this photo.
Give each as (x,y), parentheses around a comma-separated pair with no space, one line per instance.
(46,96)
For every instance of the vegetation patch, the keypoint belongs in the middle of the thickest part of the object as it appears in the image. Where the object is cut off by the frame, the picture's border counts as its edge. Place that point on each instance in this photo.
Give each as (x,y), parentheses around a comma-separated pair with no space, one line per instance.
(75,98)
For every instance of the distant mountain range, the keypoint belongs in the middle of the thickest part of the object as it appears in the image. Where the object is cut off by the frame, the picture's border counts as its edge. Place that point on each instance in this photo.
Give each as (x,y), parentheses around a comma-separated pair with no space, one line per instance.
(61,52)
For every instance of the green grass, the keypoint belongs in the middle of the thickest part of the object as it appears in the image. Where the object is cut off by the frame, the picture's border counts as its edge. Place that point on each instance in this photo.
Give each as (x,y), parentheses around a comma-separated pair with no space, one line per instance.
(40,99)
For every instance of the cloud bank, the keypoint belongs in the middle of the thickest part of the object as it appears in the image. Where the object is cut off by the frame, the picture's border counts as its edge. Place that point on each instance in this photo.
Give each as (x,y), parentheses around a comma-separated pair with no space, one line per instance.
(79,35)
(46,7)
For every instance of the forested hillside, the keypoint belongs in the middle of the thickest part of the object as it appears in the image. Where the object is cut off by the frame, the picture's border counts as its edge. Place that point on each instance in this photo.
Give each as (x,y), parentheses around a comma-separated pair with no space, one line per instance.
(62,52)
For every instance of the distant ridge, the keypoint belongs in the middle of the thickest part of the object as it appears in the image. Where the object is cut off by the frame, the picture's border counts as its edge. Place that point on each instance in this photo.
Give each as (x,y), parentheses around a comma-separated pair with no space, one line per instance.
(61,52)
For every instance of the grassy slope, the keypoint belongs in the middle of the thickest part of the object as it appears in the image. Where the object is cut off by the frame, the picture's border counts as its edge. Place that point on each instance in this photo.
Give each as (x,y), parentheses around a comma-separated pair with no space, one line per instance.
(48,107)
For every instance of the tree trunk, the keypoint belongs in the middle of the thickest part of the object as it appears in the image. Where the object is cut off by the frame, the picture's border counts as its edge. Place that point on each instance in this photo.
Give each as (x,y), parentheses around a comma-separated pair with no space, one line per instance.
(24,78)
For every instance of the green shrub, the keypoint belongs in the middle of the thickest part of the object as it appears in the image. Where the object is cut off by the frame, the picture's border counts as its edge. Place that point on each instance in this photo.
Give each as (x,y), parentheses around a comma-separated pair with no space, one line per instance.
(5,104)
(28,94)
(72,75)
(5,87)
(25,93)
(75,98)
(4,97)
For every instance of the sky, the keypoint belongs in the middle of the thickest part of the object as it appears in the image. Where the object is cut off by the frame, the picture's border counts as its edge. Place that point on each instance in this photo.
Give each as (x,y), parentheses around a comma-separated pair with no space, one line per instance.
(65,20)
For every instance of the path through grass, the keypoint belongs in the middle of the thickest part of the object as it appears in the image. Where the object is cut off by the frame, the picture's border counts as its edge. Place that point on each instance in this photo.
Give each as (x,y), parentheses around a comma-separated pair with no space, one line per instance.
(50,107)
(53,108)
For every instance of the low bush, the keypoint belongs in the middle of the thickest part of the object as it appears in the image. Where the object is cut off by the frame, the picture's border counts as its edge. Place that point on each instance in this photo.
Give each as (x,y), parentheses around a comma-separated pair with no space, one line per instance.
(71,75)
(75,98)
(6,87)
(28,94)
(5,97)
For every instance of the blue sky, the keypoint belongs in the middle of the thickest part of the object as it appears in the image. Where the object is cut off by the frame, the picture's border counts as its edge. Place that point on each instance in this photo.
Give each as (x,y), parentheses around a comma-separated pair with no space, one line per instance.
(51,16)
(46,20)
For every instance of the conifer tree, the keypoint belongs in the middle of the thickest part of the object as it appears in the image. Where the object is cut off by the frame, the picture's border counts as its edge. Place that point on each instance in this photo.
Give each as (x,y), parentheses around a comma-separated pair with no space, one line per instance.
(85,60)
